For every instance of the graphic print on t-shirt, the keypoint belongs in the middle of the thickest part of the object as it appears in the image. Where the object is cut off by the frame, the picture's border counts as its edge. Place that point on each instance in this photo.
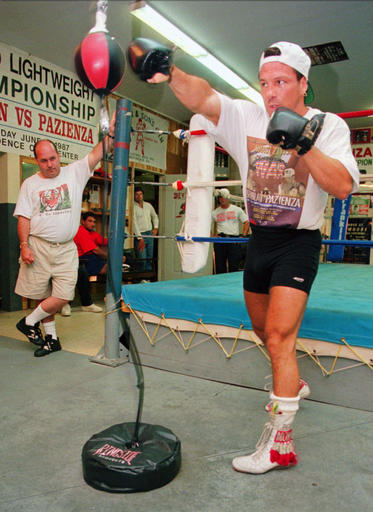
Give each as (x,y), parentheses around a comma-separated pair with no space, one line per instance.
(55,199)
(224,216)
(276,185)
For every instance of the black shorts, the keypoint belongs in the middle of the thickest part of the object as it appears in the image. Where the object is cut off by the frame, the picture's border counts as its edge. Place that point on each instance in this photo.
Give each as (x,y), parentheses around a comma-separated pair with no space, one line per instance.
(281,257)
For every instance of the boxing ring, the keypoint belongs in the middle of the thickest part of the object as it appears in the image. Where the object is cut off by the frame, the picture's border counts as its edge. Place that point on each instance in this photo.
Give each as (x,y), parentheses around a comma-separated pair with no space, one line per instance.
(200,327)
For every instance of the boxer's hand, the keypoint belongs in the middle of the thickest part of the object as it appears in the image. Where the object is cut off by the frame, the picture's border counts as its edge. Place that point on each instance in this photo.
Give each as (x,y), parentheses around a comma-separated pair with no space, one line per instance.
(27,255)
(158,78)
(141,245)
(112,123)
(150,60)
(292,131)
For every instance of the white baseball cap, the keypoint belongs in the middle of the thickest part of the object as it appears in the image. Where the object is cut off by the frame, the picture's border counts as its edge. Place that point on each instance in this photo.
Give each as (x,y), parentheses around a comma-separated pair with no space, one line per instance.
(291,54)
(223,192)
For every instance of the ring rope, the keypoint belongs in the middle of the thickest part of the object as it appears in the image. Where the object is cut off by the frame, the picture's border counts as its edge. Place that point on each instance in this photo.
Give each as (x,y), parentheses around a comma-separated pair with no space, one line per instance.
(237,239)
(163,321)
(185,135)
(180,238)
(179,185)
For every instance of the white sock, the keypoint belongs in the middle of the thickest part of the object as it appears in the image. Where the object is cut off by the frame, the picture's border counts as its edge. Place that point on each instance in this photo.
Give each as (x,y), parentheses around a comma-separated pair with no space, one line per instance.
(286,404)
(37,315)
(50,328)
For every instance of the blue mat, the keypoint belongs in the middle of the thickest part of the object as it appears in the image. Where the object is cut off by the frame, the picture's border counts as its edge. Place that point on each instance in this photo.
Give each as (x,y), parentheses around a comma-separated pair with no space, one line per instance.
(340,304)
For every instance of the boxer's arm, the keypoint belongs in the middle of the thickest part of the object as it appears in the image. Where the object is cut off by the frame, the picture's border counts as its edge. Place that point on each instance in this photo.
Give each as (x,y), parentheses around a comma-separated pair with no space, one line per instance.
(23,231)
(97,153)
(100,253)
(195,93)
(152,62)
(329,173)
(290,130)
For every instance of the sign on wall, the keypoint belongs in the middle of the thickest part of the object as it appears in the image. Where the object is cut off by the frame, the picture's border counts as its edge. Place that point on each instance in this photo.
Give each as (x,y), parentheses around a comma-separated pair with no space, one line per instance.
(339,228)
(362,148)
(359,206)
(147,148)
(39,100)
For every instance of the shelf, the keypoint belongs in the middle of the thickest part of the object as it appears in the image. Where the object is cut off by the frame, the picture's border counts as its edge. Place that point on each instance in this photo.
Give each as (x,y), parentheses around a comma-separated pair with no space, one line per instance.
(99,179)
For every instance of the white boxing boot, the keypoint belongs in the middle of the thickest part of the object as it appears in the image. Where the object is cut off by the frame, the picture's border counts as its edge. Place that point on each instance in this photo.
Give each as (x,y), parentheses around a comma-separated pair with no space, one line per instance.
(304,389)
(304,392)
(275,447)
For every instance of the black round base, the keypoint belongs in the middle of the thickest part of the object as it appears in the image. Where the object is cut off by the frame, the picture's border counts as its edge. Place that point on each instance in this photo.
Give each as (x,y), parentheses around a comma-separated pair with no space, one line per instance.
(112,463)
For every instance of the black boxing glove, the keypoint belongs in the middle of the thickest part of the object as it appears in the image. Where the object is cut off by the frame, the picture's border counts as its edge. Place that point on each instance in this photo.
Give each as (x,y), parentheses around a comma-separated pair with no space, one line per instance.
(148,57)
(292,131)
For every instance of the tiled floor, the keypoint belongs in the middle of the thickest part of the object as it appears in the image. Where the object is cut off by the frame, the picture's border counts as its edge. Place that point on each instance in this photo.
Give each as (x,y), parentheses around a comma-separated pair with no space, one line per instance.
(51,406)
(82,333)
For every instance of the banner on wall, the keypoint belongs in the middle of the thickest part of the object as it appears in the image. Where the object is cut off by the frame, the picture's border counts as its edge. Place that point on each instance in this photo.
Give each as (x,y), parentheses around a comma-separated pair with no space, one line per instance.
(147,148)
(39,100)
(359,206)
(339,228)
(362,148)
(358,229)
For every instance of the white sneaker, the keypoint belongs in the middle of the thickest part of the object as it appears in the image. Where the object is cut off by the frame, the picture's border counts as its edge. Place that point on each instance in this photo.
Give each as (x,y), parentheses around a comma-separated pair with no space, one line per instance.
(304,389)
(304,392)
(92,309)
(66,310)
(275,449)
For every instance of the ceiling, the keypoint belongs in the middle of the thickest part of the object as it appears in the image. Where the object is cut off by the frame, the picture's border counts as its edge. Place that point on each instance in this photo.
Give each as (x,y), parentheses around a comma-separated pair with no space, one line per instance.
(234,31)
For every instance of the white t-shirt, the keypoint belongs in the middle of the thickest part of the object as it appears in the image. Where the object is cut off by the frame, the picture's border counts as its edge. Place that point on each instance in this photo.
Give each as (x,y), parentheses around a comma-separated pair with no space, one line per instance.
(228,219)
(54,205)
(145,219)
(278,188)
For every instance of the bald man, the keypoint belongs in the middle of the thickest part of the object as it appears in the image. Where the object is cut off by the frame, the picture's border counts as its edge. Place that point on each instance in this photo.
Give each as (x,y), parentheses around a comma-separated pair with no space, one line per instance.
(48,211)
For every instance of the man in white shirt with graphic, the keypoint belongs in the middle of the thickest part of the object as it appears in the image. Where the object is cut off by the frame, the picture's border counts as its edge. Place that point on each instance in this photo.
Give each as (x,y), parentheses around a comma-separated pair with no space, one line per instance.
(48,211)
(227,218)
(285,139)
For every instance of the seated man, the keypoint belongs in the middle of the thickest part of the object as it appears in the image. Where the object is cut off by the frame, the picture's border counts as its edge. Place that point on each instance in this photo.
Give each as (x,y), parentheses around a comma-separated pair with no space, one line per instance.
(92,258)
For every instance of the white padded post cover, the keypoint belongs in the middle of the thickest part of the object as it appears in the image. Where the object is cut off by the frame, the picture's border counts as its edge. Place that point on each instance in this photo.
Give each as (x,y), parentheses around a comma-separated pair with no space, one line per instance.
(200,168)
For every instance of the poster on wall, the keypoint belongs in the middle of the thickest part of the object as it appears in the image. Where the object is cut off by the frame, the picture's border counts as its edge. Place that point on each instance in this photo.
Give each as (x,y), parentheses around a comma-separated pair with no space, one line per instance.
(147,148)
(358,229)
(359,206)
(362,148)
(39,100)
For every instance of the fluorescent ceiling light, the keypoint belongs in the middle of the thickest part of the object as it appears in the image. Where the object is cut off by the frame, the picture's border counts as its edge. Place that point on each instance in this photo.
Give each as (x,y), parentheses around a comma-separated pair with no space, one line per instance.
(148,15)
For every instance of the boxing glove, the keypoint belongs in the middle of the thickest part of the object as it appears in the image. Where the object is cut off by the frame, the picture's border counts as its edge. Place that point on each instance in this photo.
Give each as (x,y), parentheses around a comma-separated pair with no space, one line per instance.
(292,131)
(147,57)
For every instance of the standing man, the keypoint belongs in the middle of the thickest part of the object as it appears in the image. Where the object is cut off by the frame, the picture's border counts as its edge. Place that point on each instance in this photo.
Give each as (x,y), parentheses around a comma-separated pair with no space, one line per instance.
(283,250)
(48,210)
(227,219)
(145,223)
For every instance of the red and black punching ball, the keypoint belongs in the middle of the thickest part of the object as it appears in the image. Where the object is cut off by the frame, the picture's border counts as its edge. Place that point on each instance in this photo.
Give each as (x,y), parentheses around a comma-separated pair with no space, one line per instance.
(100,62)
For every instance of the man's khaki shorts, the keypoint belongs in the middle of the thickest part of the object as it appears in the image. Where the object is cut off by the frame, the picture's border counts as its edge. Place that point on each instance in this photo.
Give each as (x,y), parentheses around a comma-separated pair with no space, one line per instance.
(53,272)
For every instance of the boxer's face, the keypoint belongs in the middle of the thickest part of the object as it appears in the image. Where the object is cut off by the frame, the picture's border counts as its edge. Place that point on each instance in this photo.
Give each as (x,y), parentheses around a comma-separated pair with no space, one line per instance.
(139,196)
(223,202)
(89,223)
(280,87)
(47,159)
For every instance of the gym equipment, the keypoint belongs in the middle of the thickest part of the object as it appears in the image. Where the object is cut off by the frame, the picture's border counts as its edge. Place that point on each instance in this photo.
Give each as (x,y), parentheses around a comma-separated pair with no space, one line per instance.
(99,60)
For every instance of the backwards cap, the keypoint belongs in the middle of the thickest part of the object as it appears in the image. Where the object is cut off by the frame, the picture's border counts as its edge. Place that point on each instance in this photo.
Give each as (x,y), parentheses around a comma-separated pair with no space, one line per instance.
(292,55)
